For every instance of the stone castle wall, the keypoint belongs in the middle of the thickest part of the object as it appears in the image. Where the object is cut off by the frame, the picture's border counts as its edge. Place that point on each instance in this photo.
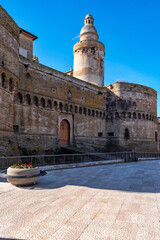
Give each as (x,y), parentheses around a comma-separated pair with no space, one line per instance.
(132,116)
(35,99)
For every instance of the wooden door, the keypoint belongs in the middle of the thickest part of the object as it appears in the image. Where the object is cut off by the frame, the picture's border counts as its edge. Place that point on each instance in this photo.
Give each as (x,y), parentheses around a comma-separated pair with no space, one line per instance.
(64,133)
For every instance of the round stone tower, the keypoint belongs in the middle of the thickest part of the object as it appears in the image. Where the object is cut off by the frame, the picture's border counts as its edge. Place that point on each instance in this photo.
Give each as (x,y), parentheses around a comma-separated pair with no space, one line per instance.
(89,55)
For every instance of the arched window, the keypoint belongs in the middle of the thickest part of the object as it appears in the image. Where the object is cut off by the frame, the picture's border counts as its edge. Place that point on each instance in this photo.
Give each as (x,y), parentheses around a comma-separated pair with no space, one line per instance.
(89,112)
(35,101)
(66,107)
(80,110)
(100,114)
(11,85)
(123,115)
(143,116)
(3,80)
(146,116)
(96,113)
(116,115)
(134,115)
(104,115)
(19,97)
(76,109)
(85,111)
(61,106)
(129,115)
(150,117)
(28,99)
(139,115)
(49,104)
(71,108)
(126,134)
(55,104)
(42,102)
(92,113)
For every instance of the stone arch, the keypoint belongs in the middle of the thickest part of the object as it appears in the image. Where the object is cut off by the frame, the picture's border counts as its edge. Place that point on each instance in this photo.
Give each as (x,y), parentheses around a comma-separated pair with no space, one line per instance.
(139,116)
(49,104)
(75,109)
(123,114)
(71,108)
(129,114)
(55,104)
(143,116)
(3,80)
(61,106)
(134,115)
(19,97)
(126,134)
(64,132)
(66,107)
(96,113)
(28,99)
(93,113)
(11,85)
(42,102)
(85,111)
(116,115)
(35,100)
(80,110)
(89,112)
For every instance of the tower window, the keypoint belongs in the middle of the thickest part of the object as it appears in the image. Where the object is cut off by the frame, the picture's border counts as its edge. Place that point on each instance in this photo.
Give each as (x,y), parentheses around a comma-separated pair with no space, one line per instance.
(76,109)
(110,134)
(19,98)
(134,115)
(61,106)
(35,101)
(16,128)
(42,102)
(3,80)
(126,134)
(28,99)
(100,134)
(156,137)
(49,104)
(11,85)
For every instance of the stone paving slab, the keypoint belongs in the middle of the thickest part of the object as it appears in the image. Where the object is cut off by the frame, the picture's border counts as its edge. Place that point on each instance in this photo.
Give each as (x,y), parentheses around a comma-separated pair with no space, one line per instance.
(110,202)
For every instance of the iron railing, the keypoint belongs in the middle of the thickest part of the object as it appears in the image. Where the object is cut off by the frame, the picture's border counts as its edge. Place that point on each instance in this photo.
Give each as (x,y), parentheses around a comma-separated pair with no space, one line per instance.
(41,160)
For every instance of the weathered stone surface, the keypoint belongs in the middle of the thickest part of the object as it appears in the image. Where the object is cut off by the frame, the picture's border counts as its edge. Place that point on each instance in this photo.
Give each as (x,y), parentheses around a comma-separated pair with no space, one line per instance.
(35,99)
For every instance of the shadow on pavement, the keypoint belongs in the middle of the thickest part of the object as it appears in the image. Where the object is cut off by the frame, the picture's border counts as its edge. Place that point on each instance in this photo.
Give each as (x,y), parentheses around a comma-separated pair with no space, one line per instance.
(131,177)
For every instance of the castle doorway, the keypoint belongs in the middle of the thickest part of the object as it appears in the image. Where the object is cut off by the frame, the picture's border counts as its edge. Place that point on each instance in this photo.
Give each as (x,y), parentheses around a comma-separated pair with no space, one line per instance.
(64,133)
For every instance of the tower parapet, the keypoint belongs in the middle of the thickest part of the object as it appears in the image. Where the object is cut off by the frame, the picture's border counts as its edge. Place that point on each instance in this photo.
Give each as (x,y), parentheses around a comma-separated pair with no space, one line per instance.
(89,55)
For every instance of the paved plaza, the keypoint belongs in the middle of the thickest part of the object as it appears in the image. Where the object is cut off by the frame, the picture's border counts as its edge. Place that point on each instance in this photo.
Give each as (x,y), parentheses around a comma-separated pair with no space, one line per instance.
(119,201)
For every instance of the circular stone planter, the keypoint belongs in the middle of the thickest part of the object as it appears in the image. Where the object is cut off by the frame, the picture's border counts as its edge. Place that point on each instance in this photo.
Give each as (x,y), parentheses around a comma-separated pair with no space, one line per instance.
(23,176)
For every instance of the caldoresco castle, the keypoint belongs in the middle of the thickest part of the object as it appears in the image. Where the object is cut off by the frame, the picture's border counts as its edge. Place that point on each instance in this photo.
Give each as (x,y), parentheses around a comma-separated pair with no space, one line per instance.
(42,109)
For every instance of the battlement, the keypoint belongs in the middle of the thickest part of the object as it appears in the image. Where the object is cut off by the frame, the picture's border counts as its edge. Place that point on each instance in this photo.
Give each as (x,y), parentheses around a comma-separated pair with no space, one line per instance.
(131,87)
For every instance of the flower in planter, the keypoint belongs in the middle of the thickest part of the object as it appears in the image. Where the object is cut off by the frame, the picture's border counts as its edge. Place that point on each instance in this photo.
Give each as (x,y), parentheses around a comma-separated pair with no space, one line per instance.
(23,165)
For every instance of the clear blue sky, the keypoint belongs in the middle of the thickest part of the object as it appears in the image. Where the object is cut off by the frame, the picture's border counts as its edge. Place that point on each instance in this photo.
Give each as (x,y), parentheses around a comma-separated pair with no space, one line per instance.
(129,29)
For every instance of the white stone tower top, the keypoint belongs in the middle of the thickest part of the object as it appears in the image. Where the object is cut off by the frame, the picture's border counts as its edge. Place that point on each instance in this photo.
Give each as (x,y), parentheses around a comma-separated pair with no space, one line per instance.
(89,55)
(88,32)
